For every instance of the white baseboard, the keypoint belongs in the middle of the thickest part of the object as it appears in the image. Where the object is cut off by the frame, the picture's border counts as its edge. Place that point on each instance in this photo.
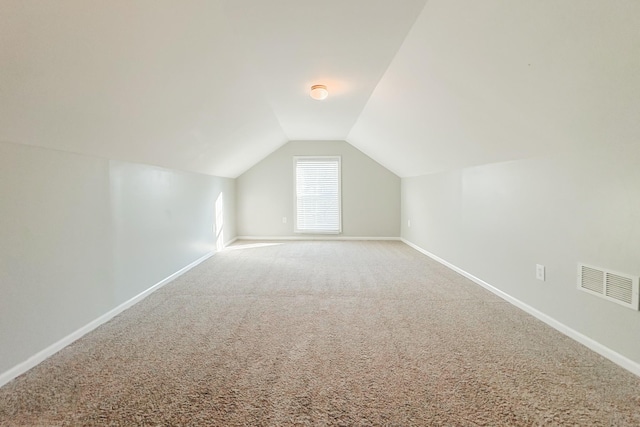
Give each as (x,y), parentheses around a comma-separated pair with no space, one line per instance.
(590,343)
(315,237)
(39,357)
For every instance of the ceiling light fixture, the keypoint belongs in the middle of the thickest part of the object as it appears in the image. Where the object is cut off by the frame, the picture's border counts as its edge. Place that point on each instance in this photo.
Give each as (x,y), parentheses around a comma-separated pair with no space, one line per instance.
(319,92)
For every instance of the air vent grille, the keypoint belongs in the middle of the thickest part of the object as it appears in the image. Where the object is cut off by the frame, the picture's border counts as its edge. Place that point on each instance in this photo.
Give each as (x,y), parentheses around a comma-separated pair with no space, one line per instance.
(616,287)
(592,279)
(620,288)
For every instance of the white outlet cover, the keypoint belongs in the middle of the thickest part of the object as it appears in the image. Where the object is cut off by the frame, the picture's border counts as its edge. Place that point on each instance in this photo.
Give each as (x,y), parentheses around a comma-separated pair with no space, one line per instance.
(540,272)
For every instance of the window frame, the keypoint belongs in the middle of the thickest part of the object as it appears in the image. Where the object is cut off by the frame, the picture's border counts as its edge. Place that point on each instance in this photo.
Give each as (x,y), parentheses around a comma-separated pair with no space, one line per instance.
(295,194)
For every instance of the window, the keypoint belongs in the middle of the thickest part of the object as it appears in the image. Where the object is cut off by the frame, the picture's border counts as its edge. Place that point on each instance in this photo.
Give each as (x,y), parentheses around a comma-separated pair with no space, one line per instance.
(317,192)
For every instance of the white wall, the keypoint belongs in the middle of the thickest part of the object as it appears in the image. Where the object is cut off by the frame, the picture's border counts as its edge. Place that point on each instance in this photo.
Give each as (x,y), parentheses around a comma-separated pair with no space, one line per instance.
(55,255)
(80,235)
(498,221)
(163,220)
(370,193)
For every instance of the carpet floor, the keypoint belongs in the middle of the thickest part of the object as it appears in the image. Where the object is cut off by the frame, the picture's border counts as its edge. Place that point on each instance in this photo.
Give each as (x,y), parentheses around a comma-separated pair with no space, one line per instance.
(323,333)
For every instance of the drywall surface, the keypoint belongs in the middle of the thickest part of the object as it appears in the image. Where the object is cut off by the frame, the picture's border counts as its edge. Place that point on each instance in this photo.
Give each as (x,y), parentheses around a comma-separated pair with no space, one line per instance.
(370,193)
(80,235)
(498,221)
(478,82)
(55,257)
(163,220)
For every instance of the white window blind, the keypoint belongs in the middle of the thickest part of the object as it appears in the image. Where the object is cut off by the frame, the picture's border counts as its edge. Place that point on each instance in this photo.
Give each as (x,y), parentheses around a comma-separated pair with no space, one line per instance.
(317,191)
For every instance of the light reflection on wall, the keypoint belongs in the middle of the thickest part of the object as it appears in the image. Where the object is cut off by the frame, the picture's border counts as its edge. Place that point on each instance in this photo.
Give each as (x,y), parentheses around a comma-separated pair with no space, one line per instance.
(219,222)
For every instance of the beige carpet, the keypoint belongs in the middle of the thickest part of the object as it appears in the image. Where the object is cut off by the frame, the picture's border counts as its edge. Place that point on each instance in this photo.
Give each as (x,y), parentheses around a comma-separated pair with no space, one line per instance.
(323,333)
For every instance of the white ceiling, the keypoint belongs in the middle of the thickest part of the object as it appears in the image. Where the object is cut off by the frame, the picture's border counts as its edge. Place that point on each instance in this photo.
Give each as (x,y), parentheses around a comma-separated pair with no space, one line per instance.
(477,82)
(213,86)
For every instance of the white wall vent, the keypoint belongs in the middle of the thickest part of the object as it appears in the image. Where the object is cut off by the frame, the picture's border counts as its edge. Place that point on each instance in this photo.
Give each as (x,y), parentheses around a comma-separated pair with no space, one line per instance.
(617,287)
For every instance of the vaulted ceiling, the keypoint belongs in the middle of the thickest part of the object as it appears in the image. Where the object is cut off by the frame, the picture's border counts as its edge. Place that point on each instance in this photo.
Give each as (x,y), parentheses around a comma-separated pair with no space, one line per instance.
(213,86)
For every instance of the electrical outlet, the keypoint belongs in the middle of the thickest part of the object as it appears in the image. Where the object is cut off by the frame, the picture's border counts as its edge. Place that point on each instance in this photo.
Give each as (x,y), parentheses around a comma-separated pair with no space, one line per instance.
(284,219)
(409,223)
(540,272)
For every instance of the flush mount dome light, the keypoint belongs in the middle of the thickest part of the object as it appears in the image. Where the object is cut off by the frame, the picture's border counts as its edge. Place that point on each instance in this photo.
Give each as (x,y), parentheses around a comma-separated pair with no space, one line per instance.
(319,92)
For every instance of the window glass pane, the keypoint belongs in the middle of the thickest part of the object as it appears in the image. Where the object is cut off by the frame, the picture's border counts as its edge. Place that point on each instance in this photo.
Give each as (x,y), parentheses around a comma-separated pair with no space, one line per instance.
(317,194)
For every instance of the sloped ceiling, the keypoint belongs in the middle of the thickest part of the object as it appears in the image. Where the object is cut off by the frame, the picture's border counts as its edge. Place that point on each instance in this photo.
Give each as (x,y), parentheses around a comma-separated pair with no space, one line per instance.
(207,86)
(213,86)
(478,82)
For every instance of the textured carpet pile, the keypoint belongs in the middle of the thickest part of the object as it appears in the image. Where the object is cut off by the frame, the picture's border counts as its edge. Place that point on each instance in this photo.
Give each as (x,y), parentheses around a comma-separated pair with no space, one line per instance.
(323,333)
